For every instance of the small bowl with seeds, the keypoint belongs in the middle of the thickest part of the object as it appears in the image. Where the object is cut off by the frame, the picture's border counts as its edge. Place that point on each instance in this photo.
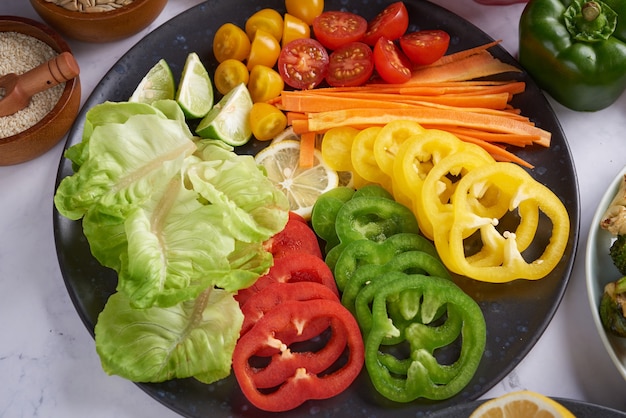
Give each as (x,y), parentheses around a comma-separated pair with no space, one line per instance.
(38,107)
(98,20)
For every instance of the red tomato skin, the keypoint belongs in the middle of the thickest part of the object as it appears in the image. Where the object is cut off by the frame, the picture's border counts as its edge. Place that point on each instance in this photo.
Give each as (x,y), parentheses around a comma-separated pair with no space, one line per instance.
(296,236)
(303,63)
(350,65)
(391,23)
(334,29)
(390,62)
(426,46)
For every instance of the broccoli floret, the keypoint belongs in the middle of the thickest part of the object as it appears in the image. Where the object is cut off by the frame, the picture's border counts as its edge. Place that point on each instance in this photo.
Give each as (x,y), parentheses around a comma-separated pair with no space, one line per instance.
(613,306)
(618,253)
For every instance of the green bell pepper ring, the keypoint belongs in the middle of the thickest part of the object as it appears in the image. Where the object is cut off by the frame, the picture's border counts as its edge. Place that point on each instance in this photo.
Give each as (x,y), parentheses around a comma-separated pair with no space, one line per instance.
(372,218)
(325,211)
(407,259)
(404,308)
(327,205)
(363,252)
(422,375)
(576,50)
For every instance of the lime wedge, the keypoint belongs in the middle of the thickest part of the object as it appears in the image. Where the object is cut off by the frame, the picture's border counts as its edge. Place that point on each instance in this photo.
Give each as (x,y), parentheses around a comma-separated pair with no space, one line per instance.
(195,90)
(157,84)
(228,120)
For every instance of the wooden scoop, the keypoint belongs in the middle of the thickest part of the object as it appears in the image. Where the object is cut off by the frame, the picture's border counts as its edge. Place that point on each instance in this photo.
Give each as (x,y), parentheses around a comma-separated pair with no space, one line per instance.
(18,89)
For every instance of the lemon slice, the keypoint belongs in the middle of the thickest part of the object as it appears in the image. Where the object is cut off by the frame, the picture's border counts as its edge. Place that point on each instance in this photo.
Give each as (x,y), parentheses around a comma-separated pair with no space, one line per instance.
(157,84)
(302,186)
(521,404)
(228,120)
(195,90)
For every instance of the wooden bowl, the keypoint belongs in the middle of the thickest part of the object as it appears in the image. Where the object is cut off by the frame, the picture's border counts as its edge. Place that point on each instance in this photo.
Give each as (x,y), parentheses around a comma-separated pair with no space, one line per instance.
(100,26)
(41,137)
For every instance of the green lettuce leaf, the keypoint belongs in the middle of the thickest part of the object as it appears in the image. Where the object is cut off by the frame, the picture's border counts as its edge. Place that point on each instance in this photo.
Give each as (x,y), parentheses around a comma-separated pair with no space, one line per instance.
(176,249)
(196,337)
(131,161)
(255,210)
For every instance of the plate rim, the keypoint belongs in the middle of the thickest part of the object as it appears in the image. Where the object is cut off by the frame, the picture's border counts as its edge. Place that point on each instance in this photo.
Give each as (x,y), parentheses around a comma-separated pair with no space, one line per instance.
(499,51)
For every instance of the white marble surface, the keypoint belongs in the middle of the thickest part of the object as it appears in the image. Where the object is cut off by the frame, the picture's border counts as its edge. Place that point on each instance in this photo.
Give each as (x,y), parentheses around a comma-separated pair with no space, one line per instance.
(48,364)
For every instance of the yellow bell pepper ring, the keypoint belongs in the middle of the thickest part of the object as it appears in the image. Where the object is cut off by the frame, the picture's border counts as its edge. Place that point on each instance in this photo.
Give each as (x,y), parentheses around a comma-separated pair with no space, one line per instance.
(433,207)
(415,158)
(502,258)
(389,140)
(363,159)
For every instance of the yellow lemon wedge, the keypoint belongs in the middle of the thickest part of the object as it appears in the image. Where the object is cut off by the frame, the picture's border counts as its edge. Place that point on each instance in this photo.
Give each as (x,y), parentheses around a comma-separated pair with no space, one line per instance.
(521,404)
(301,185)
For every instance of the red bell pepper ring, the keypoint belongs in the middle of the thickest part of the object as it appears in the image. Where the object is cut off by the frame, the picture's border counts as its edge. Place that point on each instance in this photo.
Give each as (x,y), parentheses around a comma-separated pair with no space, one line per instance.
(275,295)
(296,236)
(299,383)
(285,362)
(289,268)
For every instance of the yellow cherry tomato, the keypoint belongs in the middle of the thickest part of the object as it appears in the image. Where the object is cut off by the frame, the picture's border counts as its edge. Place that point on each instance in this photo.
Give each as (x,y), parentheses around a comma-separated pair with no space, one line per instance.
(307,10)
(266,121)
(264,50)
(267,19)
(294,28)
(230,73)
(264,84)
(230,41)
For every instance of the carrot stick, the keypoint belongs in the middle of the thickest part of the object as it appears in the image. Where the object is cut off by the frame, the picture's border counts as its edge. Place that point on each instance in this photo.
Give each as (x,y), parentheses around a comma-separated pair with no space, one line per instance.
(300,126)
(475,66)
(458,56)
(360,118)
(510,139)
(428,88)
(296,102)
(497,152)
(307,149)
(291,116)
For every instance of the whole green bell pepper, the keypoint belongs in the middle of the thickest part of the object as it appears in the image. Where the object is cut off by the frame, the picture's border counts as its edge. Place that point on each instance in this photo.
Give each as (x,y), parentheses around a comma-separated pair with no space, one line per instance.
(576,50)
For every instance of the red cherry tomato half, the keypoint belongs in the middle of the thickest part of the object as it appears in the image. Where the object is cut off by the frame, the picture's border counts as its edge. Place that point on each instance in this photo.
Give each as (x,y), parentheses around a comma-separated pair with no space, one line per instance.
(391,23)
(350,65)
(303,63)
(390,62)
(425,46)
(335,29)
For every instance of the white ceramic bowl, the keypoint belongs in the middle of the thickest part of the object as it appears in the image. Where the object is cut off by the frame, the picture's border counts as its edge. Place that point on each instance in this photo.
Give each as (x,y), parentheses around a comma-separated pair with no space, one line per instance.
(600,270)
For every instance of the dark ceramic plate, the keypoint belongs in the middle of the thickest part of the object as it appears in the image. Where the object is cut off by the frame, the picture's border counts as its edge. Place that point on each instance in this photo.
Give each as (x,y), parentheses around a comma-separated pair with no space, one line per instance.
(516,313)
(579,409)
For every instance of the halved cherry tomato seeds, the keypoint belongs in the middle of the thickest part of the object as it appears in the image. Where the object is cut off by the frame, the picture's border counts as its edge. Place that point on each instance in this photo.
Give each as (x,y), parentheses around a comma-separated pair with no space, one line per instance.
(334,28)
(350,65)
(425,46)
(303,63)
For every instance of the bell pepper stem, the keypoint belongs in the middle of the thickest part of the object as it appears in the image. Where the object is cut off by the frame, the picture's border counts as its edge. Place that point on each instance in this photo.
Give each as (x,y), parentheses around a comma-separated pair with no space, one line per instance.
(590,11)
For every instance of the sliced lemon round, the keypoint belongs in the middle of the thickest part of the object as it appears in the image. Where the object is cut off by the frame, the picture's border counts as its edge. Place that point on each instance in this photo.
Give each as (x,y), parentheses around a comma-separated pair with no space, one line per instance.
(195,89)
(229,120)
(302,186)
(157,84)
(521,404)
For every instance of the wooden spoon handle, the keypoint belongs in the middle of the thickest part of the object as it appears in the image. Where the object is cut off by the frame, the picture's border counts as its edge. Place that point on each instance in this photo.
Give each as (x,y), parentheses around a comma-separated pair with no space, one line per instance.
(59,69)
(18,89)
